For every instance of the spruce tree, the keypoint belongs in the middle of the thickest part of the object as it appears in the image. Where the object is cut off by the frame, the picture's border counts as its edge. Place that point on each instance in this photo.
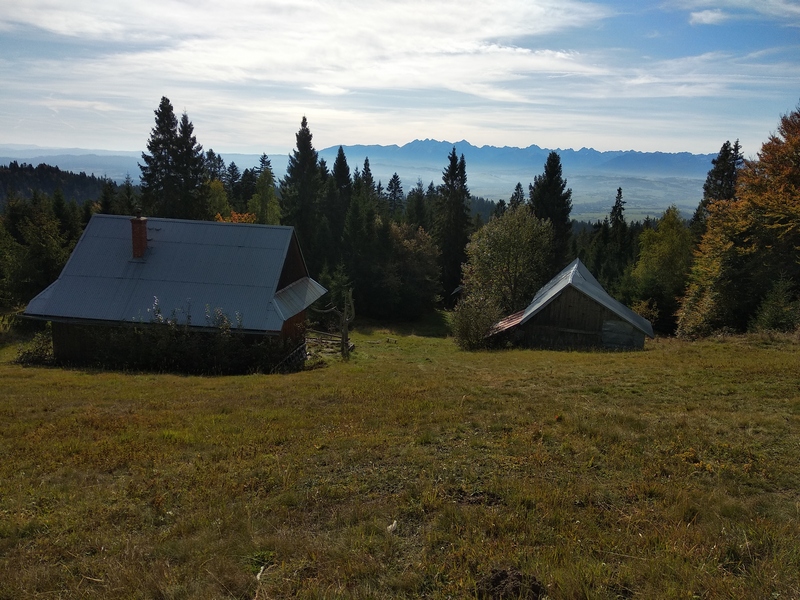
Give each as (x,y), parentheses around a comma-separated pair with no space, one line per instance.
(215,166)
(550,198)
(174,170)
(263,163)
(107,198)
(232,178)
(159,181)
(191,174)
(517,198)
(416,210)
(339,202)
(300,195)
(341,174)
(720,184)
(247,187)
(360,248)
(618,252)
(451,221)
(127,198)
(394,195)
(368,181)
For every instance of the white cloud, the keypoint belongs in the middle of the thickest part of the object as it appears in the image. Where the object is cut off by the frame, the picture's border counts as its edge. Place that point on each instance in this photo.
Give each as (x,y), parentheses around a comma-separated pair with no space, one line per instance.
(328,90)
(786,12)
(708,17)
(328,48)
(310,22)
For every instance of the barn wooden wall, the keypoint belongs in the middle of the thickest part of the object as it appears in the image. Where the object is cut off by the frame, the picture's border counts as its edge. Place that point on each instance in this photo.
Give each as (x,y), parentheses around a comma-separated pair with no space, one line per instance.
(574,320)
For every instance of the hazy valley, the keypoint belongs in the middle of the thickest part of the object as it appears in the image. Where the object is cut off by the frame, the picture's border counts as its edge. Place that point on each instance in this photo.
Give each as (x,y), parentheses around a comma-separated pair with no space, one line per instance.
(650,181)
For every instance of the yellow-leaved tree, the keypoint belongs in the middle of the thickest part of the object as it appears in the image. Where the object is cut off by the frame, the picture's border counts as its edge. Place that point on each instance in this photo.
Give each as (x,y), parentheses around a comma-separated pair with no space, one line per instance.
(752,243)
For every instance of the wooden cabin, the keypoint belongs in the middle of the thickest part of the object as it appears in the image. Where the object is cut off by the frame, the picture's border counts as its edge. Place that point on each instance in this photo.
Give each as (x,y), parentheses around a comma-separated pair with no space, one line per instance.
(573,311)
(193,274)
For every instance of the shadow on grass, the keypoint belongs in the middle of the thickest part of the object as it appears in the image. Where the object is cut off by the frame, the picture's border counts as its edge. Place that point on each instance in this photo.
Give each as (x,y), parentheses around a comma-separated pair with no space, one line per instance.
(434,324)
(16,331)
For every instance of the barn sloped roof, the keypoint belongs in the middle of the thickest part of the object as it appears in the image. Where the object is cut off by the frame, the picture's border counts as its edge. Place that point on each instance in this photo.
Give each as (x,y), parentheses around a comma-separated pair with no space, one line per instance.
(190,269)
(577,276)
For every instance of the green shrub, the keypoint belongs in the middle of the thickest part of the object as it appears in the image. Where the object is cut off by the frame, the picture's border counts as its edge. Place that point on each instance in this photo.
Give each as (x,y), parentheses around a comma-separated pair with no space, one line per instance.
(779,310)
(473,317)
(39,351)
(171,348)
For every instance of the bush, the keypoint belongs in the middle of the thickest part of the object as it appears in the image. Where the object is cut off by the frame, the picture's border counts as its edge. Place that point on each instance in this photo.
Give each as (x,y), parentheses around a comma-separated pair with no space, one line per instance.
(172,348)
(778,311)
(165,346)
(473,317)
(39,351)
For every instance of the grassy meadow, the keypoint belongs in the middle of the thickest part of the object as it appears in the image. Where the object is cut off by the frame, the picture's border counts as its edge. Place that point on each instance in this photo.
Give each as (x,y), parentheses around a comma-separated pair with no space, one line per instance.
(668,473)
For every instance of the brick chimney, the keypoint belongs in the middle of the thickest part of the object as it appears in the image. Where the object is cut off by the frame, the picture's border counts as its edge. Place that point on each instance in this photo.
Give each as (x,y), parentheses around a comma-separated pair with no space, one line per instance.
(139,234)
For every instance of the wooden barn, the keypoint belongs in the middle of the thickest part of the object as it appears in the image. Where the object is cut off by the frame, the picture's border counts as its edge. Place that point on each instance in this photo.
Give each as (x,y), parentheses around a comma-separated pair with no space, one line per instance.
(195,275)
(574,311)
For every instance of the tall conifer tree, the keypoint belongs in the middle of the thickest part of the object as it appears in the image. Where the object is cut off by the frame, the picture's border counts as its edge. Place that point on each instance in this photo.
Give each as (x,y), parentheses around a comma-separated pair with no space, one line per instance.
(159,182)
(517,198)
(174,170)
(339,202)
(215,166)
(618,252)
(231,178)
(550,198)
(720,184)
(300,194)
(416,209)
(191,174)
(394,195)
(451,221)
(127,198)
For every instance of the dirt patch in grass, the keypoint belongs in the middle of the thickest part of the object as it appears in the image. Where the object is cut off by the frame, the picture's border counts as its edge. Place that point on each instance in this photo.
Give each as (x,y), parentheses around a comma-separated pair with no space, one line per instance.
(507,584)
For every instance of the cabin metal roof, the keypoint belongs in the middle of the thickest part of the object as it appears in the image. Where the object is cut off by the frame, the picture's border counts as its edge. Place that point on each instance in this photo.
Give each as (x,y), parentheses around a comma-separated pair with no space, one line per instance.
(190,270)
(577,276)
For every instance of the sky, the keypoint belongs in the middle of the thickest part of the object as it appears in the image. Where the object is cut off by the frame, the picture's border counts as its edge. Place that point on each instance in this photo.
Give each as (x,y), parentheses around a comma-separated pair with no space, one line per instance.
(673,76)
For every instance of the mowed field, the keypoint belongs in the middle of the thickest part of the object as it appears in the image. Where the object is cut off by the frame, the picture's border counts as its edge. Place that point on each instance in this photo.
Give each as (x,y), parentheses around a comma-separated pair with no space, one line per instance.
(668,473)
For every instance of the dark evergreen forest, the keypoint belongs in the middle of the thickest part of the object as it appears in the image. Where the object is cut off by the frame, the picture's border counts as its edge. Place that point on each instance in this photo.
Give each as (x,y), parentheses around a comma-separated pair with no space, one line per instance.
(24,180)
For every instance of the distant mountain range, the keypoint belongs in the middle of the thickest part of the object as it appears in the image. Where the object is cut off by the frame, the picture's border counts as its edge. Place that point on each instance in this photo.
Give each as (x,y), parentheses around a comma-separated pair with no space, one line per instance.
(650,181)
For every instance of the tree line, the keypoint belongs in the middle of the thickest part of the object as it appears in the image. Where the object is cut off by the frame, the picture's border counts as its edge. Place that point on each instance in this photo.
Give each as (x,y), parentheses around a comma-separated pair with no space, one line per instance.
(24,179)
(732,266)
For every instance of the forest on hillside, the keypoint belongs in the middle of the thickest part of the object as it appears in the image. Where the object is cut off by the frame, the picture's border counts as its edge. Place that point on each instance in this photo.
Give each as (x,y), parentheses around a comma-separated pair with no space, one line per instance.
(24,180)
(732,266)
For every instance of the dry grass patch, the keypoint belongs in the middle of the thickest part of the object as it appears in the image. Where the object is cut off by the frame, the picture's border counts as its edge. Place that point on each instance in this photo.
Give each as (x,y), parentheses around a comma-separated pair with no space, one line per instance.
(667,473)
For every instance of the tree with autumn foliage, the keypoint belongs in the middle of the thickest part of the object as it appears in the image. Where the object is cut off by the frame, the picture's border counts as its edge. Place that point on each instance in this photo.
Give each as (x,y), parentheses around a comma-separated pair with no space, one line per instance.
(752,242)
(236,217)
